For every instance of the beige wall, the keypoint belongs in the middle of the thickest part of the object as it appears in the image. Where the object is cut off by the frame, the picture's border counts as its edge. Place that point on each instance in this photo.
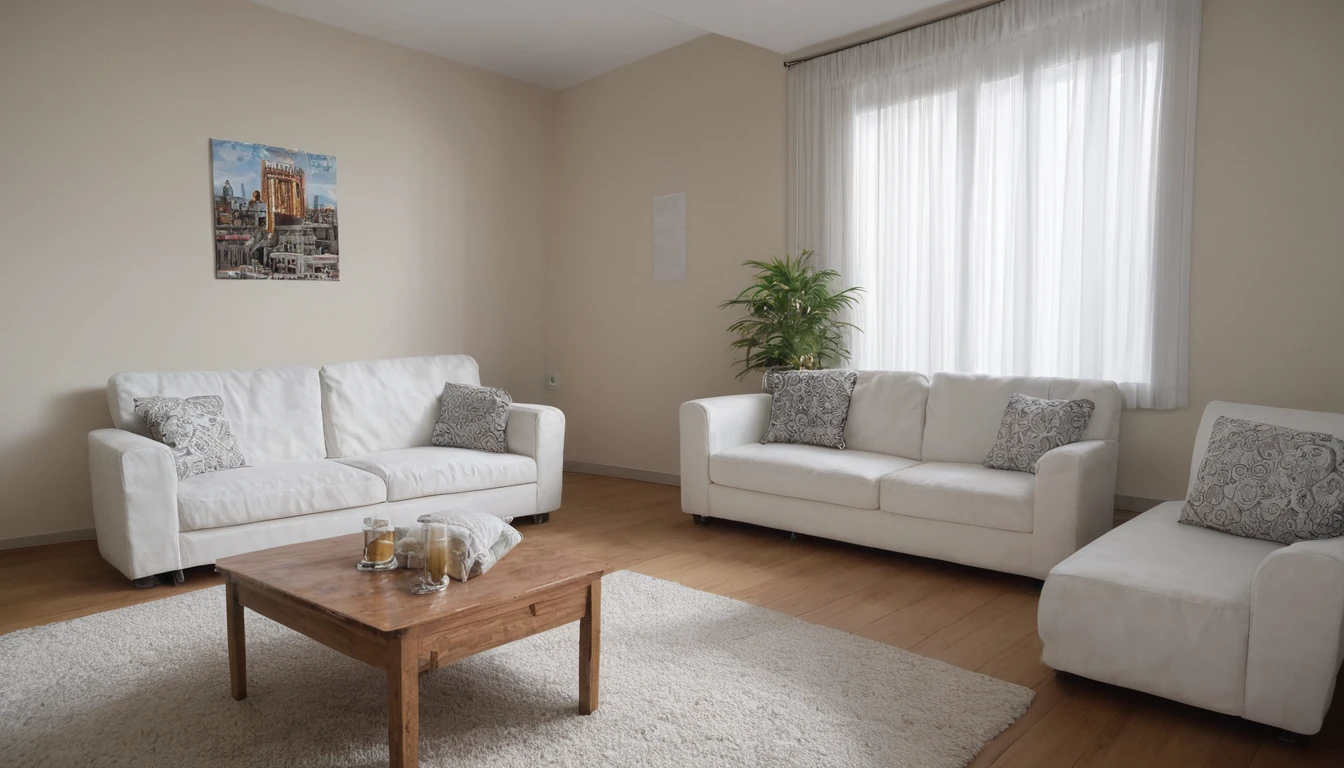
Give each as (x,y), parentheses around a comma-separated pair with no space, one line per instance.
(705,118)
(1267,270)
(106,112)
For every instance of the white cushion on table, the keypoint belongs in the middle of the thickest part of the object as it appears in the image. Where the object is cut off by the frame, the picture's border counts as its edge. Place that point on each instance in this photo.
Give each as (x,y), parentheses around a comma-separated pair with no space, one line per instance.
(411,473)
(845,477)
(1156,606)
(971,494)
(271,491)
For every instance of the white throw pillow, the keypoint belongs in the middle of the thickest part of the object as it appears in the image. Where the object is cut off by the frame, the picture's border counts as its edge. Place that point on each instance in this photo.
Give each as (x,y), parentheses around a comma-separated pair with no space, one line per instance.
(476,541)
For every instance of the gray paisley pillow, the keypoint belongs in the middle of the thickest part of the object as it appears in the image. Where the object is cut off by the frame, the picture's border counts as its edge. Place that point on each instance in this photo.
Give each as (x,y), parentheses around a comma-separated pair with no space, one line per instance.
(1266,482)
(1032,426)
(809,407)
(472,417)
(196,429)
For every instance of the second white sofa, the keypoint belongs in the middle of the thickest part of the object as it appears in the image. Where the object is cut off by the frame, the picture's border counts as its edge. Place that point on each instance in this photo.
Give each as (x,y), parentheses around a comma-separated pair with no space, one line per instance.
(911,478)
(325,448)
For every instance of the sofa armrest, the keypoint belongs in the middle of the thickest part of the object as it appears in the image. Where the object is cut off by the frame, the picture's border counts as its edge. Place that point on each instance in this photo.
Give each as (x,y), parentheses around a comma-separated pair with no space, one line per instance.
(1297,624)
(712,425)
(134,483)
(538,431)
(1075,500)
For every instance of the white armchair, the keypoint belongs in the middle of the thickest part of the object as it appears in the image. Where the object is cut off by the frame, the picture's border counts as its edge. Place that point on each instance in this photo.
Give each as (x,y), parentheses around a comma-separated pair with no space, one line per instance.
(1239,626)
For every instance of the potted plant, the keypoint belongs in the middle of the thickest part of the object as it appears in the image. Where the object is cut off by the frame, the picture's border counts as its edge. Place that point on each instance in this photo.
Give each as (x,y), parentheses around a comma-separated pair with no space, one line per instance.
(793,316)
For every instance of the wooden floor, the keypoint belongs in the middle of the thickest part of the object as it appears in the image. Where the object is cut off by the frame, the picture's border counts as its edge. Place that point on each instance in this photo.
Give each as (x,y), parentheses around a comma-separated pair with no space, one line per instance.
(975,619)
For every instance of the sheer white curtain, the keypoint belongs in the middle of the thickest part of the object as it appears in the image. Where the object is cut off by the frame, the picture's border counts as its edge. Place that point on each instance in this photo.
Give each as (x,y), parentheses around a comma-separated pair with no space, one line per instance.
(1011,187)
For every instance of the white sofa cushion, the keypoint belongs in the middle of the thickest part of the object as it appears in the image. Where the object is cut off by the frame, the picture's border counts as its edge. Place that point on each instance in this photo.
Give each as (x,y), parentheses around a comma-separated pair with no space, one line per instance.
(382,405)
(848,478)
(271,491)
(886,413)
(411,473)
(1157,606)
(971,494)
(276,413)
(964,411)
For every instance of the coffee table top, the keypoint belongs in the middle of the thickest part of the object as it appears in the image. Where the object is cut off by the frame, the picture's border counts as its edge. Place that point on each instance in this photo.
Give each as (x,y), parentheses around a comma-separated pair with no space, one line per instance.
(322,573)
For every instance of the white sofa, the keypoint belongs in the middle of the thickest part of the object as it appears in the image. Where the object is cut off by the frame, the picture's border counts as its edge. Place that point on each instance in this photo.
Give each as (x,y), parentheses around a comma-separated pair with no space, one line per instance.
(911,478)
(1239,626)
(325,447)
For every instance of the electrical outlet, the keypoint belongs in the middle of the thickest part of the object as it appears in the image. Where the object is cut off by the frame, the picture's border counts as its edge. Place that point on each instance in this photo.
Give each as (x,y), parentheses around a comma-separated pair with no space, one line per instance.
(552,380)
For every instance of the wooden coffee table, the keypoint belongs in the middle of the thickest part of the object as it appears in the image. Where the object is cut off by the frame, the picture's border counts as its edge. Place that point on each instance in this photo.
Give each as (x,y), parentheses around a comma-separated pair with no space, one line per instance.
(314,588)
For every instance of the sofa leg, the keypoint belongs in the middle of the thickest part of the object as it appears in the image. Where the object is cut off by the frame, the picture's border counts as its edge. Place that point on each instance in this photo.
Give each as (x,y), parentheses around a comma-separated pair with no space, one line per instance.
(544,517)
(701,519)
(1292,739)
(144,582)
(179,577)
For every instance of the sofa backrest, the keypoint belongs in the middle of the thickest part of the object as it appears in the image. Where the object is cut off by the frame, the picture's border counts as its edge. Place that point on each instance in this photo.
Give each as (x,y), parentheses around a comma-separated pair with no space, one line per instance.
(1311,421)
(383,405)
(886,413)
(276,413)
(965,410)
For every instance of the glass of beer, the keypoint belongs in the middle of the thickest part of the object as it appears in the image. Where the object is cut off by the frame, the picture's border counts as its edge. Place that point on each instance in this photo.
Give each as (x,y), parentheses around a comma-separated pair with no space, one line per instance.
(434,540)
(379,552)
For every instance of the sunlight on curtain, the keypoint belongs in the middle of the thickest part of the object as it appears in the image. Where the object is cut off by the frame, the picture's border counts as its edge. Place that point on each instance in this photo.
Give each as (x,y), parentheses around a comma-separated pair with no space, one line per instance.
(1012,190)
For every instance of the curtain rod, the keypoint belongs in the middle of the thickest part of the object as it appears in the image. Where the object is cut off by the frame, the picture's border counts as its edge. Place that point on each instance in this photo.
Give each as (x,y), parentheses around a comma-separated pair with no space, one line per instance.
(884,36)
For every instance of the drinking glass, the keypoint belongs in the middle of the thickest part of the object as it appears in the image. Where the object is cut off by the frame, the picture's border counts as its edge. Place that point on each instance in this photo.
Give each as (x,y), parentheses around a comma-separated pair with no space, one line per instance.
(434,540)
(379,552)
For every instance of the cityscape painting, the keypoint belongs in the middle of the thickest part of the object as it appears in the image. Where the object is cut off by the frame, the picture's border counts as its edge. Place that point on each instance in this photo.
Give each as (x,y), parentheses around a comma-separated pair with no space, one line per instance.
(275,213)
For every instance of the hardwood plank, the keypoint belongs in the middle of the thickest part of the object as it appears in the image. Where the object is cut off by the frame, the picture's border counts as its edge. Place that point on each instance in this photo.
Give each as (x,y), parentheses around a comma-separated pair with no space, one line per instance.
(1063,734)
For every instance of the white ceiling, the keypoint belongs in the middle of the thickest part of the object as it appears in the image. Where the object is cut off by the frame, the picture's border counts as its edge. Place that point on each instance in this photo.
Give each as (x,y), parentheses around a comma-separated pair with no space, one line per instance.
(559,43)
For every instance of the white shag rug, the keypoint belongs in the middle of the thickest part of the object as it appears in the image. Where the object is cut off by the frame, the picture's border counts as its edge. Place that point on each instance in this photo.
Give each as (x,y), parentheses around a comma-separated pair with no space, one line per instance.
(688,679)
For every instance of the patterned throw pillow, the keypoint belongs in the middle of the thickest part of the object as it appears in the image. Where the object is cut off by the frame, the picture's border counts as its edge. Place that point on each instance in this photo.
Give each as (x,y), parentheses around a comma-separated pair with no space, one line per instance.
(809,407)
(196,429)
(1266,482)
(472,417)
(1031,426)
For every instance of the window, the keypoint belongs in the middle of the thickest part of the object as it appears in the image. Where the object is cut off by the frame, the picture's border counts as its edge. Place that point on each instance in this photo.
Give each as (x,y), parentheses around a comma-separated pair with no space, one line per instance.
(1012,203)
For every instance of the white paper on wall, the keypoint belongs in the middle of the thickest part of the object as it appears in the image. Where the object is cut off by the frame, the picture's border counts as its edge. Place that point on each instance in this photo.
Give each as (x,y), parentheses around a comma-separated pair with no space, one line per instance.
(669,237)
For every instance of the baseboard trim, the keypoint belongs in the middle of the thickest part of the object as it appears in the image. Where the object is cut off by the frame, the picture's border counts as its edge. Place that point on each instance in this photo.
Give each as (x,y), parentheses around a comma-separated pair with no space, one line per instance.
(625,473)
(37,540)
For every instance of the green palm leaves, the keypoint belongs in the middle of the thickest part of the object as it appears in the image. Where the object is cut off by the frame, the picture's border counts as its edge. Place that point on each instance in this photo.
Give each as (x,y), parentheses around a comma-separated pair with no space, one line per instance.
(793,316)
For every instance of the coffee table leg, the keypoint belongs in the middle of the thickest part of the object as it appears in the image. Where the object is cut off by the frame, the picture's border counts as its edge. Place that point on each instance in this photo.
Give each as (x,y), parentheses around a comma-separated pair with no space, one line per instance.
(590,649)
(237,642)
(403,702)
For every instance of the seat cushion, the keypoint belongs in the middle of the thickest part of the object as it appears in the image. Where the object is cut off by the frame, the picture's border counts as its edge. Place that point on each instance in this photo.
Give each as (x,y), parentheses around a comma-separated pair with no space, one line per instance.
(971,494)
(1156,606)
(271,491)
(411,473)
(849,478)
